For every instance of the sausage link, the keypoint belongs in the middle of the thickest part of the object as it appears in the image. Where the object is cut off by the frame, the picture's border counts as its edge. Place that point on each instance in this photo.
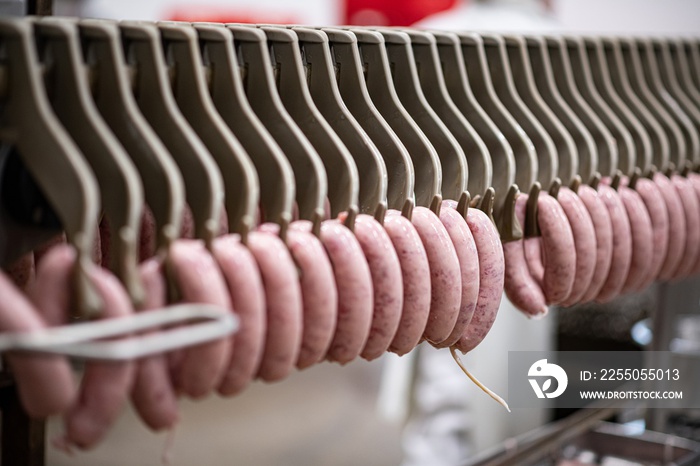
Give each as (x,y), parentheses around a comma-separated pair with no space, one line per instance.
(622,245)
(695,181)
(521,288)
(445,279)
(465,247)
(658,214)
(22,271)
(532,248)
(284,305)
(642,238)
(415,274)
(245,287)
(602,225)
(691,210)
(147,235)
(491,279)
(676,226)
(105,241)
(558,250)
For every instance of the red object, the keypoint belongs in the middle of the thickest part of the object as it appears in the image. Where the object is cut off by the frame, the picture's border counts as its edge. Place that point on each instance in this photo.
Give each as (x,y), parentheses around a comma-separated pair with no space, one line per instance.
(392,12)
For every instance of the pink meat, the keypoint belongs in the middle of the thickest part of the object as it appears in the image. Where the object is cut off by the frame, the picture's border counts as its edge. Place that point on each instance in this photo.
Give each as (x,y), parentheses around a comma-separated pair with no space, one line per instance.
(642,238)
(691,210)
(622,245)
(658,214)
(602,225)
(678,233)
(558,250)
(695,181)
(22,271)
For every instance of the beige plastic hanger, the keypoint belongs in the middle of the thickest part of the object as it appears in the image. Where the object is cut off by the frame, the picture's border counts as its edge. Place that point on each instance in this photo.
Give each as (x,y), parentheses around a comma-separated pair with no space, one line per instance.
(546,166)
(622,82)
(584,145)
(606,149)
(678,102)
(592,47)
(452,163)
(581,71)
(323,87)
(275,174)
(637,74)
(121,191)
(692,47)
(479,77)
(432,81)
(152,89)
(353,90)
(380,85)
(497,170)
(29,125)
(259,84)
(241,185)
(565,152)
(681,63)
(341,171)
(163,187)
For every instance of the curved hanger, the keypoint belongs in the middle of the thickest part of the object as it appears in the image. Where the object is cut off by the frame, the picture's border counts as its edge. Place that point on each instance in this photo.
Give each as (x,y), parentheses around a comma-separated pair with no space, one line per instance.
(546,166)
(681,63)
(241,185)
(154,94)
(678,102)
(163,186)
(323,87)
(600,75)
(121,191)
(275,174)
(348,70)
(497,170)
(565,150)
(481,83)
(341,171)
(583,78)
(52,158)
(631,59)
(692,49)
(380,85)
(259,84)
(612,52)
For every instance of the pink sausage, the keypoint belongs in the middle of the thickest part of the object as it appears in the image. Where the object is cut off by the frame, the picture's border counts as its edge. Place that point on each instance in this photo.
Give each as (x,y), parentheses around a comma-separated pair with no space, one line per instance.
(284,305)
(22,271)
(147,235)
(199,279)
(604,240)
(465,247)
(558,249)
(491,279)
(533,255)
(105,241)
(676,226)
(695,181)
(318,292)
(42,250)
(658,214)
(622,245)
(105,385)
(691,209)
(353,280)
(642,238)
(445,275)
(415,274)
(385,268)
(584,242)
(188,228)
(521,288)
(153,393)
(247,293)
(45,383)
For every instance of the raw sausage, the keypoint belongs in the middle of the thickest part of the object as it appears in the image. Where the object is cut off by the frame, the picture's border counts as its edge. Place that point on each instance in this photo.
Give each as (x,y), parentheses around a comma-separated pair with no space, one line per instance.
(604,240)
(105,241)
(22,271)
(584,242)
(521,288)
(491,278)
(642,238)
(656,208)
(691,209)
(245,287)
(676,226)
(318,292)
(695,181)
(45,383)
(105,385)
(284,305)
(465,247)
(415,273)
(387,285)
(355,291)
(622,245)
(445,279)
(558,250)
(147,235)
